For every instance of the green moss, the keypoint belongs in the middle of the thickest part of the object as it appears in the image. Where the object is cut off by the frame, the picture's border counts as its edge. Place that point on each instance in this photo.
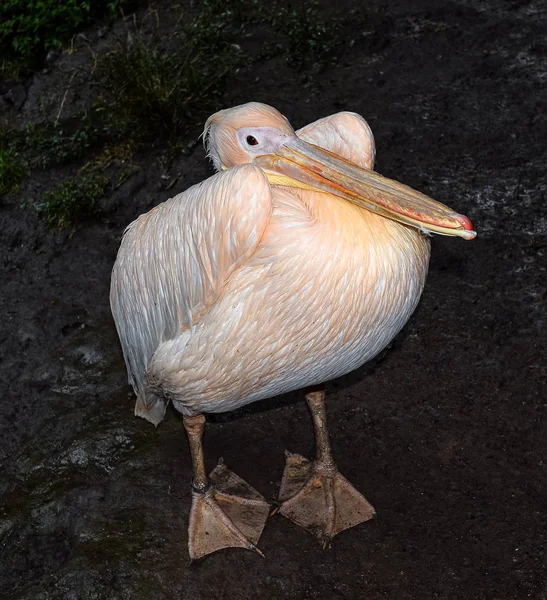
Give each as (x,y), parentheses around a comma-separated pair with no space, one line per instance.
(29,28)
(150,88)
(156,88)
(303,37)
(72,201)
(151,91)
(12,169)
(48,145)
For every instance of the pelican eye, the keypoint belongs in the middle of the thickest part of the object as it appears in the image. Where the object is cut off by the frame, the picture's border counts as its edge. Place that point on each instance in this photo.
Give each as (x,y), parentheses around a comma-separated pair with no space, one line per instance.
(252,141)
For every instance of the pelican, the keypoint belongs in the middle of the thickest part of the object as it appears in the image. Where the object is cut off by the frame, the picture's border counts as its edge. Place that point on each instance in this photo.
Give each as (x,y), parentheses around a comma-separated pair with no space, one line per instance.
(294,264)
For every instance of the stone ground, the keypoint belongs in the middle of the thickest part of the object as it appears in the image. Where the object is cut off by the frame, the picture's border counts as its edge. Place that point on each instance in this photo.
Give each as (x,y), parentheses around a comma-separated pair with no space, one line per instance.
(445,435)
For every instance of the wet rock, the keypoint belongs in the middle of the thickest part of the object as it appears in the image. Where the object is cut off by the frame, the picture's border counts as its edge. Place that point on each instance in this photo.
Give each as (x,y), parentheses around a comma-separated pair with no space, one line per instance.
(88,355)
(47,373)
(16,96)
(103,450)
(81,39)
(28,333)
(52,56)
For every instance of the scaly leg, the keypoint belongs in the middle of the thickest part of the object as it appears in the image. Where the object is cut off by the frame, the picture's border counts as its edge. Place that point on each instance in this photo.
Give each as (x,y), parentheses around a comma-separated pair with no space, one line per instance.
(226,511)
(313,494)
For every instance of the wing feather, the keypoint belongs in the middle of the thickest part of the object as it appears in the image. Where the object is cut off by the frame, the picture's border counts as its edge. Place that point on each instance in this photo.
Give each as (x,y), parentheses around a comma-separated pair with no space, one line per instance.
(174,260)
(346,134)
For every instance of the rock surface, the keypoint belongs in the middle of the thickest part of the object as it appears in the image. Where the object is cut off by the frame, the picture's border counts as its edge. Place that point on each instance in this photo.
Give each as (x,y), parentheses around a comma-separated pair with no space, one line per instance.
(446,435)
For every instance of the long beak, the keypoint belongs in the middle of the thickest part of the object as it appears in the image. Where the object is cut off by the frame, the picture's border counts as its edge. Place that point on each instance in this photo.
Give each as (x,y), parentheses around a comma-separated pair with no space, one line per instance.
(300,164)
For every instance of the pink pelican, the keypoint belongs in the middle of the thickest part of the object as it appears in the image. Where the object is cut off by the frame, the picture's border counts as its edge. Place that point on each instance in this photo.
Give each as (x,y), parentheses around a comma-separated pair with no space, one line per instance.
(294,264)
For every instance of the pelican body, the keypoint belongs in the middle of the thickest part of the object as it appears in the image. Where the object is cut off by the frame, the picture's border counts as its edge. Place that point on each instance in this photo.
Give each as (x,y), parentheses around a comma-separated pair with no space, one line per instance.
(295,264)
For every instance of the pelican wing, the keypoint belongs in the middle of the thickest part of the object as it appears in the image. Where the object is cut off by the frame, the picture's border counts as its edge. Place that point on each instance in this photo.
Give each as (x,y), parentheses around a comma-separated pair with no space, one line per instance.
(174,261)
(346,134)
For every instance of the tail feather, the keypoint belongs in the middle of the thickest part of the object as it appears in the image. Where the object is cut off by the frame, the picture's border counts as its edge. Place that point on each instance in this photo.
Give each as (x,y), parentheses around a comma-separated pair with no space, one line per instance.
(152,407)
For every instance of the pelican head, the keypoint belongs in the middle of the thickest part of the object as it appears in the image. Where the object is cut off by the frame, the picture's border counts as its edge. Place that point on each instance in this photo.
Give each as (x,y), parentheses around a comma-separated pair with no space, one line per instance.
(259,134)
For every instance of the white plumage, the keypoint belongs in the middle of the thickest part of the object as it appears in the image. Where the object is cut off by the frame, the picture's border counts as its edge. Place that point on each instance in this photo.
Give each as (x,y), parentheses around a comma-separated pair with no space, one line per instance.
(292,266)
(236,290)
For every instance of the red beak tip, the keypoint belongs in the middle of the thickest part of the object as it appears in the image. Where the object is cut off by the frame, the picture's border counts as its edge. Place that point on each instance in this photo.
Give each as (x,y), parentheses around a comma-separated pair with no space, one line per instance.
(464,221)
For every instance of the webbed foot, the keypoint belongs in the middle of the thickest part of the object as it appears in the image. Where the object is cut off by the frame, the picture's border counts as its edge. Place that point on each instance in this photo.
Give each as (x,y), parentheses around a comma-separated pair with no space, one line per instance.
(228,514)
(319,499)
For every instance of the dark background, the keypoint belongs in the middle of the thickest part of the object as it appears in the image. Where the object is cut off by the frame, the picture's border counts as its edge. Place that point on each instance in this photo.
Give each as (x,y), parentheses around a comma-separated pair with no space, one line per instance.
(445,434)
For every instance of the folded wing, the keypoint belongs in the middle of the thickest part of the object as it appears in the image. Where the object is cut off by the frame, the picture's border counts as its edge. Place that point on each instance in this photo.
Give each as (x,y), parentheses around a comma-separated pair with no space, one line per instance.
(346,134)
(174,261)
